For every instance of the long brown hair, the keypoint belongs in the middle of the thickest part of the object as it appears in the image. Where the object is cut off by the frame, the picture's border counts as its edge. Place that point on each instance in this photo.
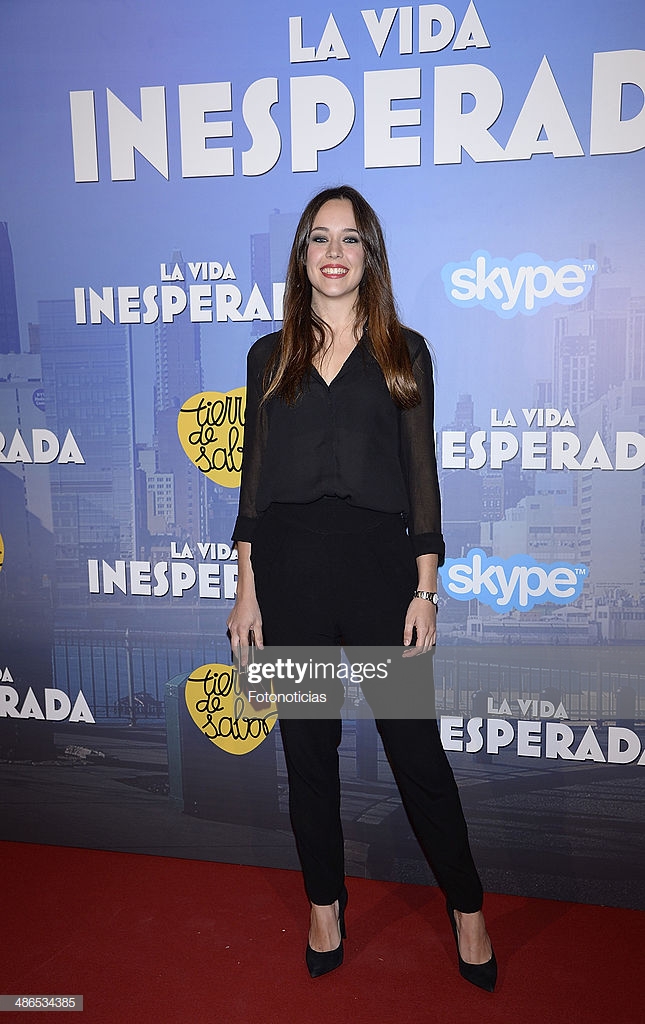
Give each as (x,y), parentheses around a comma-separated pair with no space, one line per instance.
(303,332)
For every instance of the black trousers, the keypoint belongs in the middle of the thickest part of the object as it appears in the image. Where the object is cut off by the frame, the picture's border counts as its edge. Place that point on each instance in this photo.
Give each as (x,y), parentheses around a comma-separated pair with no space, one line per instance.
(330,574)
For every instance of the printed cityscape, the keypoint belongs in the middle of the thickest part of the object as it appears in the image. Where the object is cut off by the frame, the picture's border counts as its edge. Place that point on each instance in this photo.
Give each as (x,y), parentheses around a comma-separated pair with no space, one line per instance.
(143,502)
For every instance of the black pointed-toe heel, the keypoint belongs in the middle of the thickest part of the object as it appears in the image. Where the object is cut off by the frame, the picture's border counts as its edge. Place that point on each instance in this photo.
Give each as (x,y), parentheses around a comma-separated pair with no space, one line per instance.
(322,963)
(482,975)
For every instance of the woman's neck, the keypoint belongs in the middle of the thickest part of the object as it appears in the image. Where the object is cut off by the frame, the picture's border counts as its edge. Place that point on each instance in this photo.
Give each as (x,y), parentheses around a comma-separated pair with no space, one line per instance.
(340,320)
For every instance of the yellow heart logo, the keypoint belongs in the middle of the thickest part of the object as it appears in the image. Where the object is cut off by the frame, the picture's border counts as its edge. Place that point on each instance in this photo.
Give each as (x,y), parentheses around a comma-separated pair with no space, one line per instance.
(211,431)
(1,551)
(219,707)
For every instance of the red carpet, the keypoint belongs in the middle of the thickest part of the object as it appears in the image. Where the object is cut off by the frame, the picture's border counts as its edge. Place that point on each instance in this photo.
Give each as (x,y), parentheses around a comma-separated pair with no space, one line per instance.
(150,939)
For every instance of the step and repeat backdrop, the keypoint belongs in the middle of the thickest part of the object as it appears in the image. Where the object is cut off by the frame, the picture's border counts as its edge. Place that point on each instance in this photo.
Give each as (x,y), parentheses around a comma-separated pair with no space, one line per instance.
(155,160)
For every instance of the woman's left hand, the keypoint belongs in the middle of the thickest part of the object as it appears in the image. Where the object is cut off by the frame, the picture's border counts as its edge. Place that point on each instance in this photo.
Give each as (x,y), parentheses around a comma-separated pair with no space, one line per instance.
(422,617)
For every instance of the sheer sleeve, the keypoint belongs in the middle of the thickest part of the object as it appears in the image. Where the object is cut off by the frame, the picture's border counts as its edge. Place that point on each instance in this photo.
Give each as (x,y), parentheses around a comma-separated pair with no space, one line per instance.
(255,431)
(419,458)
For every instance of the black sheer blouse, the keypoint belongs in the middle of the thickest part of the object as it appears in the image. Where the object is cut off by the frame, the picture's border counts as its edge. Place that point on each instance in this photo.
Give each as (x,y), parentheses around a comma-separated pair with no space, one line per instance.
(348,440)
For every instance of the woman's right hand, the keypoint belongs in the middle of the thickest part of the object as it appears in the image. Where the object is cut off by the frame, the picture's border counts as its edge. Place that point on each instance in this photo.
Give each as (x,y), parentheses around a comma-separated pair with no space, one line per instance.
(245,615)
(245,618)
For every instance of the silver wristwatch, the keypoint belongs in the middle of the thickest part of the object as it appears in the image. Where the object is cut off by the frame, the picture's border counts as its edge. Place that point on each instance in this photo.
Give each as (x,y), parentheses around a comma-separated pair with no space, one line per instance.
(428,595)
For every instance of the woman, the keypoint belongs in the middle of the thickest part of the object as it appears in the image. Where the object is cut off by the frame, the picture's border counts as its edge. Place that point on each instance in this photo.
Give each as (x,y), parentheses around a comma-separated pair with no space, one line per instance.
(338,458)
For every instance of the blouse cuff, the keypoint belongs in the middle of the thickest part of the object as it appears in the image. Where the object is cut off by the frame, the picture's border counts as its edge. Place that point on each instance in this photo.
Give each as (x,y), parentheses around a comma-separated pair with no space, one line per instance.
(429,544)
(244,528)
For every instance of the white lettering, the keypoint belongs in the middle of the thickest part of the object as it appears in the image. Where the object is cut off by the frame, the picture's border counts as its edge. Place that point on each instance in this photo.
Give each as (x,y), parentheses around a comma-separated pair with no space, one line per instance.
(611,71)
(309,136)
(381,88)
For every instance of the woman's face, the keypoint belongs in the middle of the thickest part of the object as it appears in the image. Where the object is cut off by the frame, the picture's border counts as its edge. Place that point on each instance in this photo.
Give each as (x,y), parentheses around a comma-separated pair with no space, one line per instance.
(335,259)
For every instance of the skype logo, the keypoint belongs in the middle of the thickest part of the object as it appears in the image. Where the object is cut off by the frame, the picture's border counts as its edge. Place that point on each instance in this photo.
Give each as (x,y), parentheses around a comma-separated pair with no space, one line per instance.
(522,285)
(519,582)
